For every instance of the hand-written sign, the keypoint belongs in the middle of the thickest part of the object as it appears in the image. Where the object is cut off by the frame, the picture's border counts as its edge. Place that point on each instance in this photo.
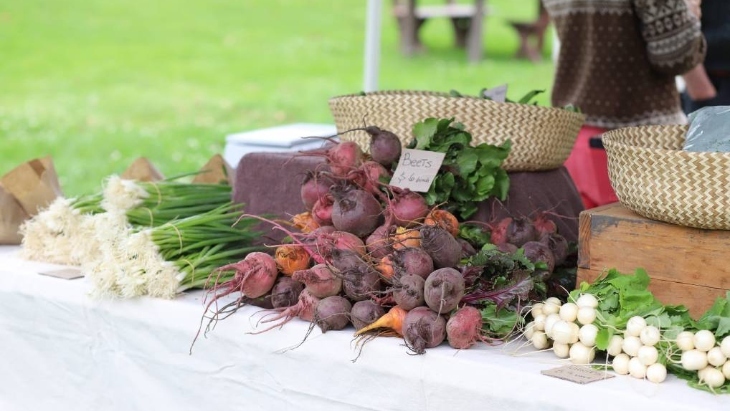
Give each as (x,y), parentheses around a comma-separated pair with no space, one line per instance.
(578,374)
(417,169)
(498,94)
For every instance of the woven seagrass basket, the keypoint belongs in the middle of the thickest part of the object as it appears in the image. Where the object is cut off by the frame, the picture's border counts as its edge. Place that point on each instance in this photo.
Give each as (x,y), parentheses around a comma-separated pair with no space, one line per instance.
(542,137)
(655,178)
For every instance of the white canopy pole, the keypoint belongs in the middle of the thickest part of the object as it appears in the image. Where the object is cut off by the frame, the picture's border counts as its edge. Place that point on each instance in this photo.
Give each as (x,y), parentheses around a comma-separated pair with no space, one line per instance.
(372,44)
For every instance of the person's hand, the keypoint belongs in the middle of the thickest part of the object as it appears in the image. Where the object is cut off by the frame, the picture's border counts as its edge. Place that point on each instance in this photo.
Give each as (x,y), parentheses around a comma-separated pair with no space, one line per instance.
(694,7)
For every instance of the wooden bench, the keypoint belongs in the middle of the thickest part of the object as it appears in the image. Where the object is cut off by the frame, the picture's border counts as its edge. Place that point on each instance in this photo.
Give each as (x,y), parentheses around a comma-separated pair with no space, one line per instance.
(532,35)
(467,20)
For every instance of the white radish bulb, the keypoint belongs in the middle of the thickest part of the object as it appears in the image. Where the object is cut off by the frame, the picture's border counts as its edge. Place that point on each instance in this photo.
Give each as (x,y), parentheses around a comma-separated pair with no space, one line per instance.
(704,340)
(715,357)
(631,346)
(568,312)
(587,335)
(656,373)
(549,323)
(561,350)
(701,373)
(694,360)
(539,323)
(536,310)
(648,355)
(650,335)
(726,370)
(550,308)
(615,345)
(554,300)
(580,354)
(562,332)
(685,340)
(587,300)
(540,341)
(725,346)
(574,331)
(713,377)
(529,330)
(635,325)
(636,368)
(586,315)
(620,364)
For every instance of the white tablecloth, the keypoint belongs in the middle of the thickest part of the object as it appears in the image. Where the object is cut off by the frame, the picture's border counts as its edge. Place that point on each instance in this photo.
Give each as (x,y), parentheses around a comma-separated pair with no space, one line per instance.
(61,350)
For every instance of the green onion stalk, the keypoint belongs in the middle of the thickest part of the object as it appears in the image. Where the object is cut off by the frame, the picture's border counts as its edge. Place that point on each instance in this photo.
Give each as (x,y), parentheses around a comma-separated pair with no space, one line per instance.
(179,255)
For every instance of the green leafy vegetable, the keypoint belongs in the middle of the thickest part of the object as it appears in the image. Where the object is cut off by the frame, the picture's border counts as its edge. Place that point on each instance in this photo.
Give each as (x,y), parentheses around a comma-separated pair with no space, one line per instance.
(468,174)
(717,318)
(499,322)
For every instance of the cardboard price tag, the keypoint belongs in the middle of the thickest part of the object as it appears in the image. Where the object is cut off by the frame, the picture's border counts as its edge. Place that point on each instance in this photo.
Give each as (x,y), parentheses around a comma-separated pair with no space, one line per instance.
(578,374)
(417,169)
(65,273)
(498,94)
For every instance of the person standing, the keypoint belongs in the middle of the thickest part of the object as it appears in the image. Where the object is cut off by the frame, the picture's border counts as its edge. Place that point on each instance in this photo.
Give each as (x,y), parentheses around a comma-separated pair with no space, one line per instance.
(617,63)
(716,29)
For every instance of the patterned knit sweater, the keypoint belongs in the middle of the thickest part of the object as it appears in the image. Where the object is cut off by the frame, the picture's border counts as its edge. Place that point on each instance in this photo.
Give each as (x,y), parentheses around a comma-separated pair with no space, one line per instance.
(618,58)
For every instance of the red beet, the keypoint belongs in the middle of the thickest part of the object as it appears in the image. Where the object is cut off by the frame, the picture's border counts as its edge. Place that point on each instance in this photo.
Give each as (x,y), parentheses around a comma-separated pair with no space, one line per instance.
(520,231)
(322,210)
(319,280)
(444,289)
(411,260)
(385,146)
(365,313)
(423,328)
(378,242)
(441,246)
(407,208)
(536,251)
(361,283)
(303,309)
(315,186)
(332,313)
(285,292)
(464,327)
(355,211)
(408,291)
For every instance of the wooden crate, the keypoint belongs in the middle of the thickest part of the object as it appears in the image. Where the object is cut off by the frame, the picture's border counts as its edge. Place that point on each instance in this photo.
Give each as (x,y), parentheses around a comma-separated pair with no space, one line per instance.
(687,266)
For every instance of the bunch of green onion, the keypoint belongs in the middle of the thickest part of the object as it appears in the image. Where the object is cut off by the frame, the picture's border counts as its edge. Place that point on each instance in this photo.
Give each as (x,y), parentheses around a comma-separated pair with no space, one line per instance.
(143,238)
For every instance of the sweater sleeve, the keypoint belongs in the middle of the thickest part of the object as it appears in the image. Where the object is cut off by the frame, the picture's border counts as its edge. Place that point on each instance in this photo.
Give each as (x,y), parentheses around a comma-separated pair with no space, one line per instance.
(674,41)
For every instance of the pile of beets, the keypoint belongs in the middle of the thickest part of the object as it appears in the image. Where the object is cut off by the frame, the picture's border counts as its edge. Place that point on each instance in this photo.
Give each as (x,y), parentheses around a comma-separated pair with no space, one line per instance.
(374,256)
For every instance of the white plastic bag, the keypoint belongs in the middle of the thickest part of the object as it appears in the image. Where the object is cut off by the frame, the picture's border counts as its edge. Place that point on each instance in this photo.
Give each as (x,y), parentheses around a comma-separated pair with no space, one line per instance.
(709,130)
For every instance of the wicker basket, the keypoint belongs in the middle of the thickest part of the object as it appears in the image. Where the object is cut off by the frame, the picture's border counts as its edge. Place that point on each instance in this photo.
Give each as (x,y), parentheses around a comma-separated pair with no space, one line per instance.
(542,137)
(655,178)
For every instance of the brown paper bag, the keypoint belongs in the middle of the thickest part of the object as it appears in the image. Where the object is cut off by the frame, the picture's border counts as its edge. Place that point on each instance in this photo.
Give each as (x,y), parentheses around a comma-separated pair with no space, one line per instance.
(142,170)
(12,216)
(34,184)
(215,171)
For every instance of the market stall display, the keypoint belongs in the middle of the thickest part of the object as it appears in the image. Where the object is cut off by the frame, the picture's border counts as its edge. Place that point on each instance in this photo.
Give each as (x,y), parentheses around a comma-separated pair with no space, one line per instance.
(434,237)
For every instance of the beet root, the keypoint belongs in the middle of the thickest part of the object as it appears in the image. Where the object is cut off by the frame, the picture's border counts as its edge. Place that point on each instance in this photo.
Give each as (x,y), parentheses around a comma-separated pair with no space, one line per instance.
(315,186)
(441,246)
(414,261)
(464,327)
(378,242)
(332,313)
(385,146)
(558,245)
(407,208)
(355,211)
(365,313)
(319,280)
(408,291)
(538,252)
(520,231)
(423,328)
(303,309)
(444,289)
(285,292)
(361,283)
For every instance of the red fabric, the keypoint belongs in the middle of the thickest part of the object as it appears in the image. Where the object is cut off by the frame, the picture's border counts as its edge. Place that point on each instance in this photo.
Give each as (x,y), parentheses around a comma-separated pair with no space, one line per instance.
(588,167)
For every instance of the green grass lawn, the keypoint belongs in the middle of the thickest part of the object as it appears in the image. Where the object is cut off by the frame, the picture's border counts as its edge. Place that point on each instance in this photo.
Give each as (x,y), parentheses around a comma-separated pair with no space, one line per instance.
(98,83)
